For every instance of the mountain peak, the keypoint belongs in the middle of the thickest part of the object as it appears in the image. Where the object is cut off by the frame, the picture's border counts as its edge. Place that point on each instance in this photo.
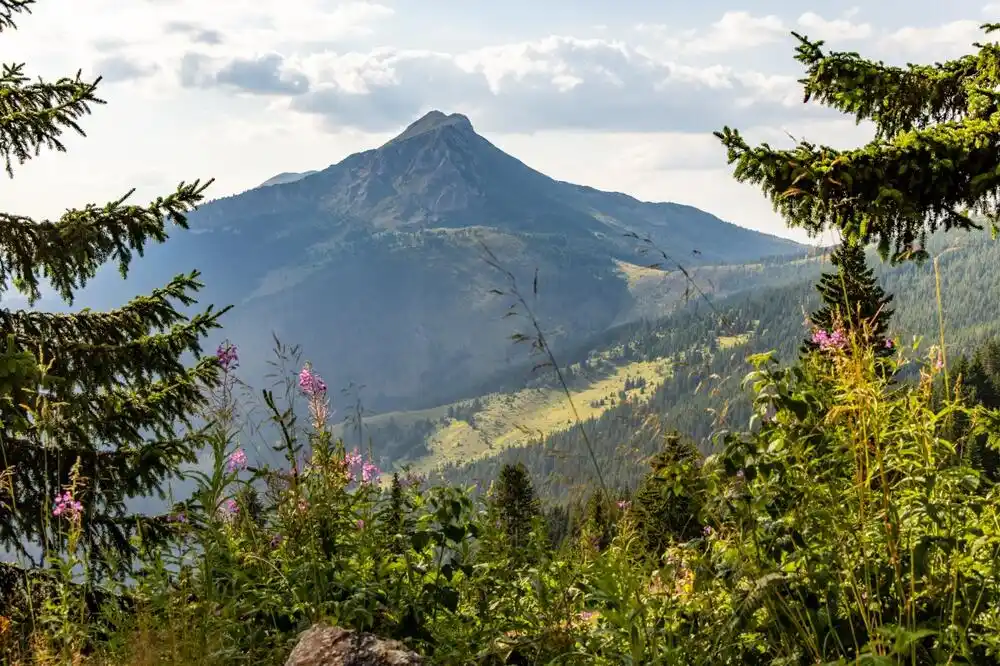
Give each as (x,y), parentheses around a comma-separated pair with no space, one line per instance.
(432,121)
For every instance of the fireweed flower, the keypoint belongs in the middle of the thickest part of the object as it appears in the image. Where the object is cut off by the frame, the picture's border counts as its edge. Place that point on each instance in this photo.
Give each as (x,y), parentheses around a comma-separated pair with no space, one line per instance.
(232,508)
(353,459)
(313,386)
(708,530)
(828,341)
(67,506)
(369,473)
(310,383)
(228,356)
(624,504)
(360,524)
(237,461)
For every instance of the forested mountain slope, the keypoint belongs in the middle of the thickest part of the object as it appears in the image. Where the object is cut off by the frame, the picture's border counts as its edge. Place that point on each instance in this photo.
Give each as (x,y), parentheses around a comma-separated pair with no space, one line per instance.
(703,394)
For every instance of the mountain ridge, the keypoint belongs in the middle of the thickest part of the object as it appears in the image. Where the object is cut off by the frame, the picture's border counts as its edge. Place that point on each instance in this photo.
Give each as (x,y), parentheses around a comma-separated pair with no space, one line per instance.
(376,263)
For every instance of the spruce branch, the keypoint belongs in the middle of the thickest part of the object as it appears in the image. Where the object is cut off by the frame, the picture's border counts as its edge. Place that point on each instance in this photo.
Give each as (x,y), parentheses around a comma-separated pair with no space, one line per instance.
(9,8)
(33,115)
(68,252)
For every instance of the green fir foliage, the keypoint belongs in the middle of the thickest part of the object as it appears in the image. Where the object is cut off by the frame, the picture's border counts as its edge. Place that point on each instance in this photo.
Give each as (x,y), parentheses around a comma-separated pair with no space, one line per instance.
(933,162)
(109,391)
(852,300)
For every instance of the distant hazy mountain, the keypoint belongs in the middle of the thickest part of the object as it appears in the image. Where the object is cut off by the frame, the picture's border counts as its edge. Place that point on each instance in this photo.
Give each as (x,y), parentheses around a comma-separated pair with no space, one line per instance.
(375,264)
(286,177)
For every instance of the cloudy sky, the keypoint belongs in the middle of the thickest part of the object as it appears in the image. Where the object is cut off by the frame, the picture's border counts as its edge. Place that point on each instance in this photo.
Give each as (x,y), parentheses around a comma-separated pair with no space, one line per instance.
(617,94)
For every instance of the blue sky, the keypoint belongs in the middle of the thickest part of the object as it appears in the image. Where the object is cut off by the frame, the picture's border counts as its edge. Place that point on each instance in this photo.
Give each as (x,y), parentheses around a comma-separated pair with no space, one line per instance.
(620,95)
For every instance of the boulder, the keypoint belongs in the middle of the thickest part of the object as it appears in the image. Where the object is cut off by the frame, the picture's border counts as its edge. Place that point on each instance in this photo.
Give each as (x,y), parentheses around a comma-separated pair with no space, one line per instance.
(323,645)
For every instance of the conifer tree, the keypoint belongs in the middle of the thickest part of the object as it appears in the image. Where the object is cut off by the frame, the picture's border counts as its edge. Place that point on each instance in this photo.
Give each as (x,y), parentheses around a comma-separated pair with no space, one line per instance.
(516,504)
(395,516)
(853,300)
(599,522)
(979,383)
(934,162)
(105,390)
(666,504)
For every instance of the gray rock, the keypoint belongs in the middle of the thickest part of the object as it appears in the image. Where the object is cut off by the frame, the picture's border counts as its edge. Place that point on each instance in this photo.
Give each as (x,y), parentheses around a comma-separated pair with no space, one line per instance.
(323,645)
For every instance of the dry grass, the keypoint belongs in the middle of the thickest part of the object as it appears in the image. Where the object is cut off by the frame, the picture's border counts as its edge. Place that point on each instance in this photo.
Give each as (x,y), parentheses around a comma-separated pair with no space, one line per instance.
(730,341)
(515,419)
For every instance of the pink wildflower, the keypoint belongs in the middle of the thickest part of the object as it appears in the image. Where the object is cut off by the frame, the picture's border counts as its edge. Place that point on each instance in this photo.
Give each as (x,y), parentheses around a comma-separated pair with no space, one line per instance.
(310,383)
(232,508)
(353,459)
(238,460)
(228,357)
(624,504)
(828,341)
(360,524)
(66,505)
(369,473)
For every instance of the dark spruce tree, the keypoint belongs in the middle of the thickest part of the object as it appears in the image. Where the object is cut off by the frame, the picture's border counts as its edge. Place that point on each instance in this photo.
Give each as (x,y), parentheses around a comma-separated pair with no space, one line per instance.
(852,300)
(666,504)
(516,505)
(598,529)
(934,163)
(978,380)
(395,516)
(107,392)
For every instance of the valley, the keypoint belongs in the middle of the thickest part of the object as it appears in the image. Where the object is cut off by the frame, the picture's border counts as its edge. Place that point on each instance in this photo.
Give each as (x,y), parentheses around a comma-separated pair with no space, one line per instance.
(691,360)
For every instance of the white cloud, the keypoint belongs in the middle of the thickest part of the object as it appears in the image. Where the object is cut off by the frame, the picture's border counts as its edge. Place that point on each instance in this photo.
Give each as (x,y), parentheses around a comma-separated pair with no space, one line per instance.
(834,29)
(150,32)
(738,30)
(554,82)
(949,40)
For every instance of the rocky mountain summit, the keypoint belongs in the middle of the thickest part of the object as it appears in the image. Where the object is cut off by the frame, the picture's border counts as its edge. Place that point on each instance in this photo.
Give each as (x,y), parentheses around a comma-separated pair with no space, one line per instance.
(376,263)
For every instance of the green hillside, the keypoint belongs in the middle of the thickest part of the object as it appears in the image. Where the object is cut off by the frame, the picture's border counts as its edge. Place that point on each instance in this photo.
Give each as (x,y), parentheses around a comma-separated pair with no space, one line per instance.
(693,361)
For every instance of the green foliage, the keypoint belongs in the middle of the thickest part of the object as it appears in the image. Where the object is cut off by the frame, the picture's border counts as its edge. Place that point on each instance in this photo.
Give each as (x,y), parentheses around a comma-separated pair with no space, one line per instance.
(109,389)
(933,159)
(514,501)
(848,527)
(844,523)
(666,506)
(852,300)
(978,381)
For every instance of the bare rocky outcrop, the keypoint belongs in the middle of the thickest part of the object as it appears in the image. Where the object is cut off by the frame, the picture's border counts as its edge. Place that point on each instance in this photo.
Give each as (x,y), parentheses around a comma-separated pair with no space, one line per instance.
(325,645)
